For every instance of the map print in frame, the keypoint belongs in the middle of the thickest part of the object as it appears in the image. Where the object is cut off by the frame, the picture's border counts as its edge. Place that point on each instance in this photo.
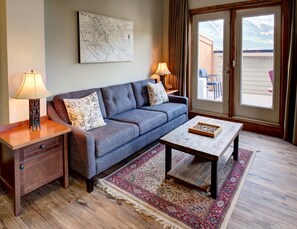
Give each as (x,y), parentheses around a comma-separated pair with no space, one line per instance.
(104,39)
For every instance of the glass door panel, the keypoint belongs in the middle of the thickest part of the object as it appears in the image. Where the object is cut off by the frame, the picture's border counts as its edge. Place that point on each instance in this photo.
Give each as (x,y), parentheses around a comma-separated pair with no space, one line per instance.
(257,55)
(258,64)
(210,62)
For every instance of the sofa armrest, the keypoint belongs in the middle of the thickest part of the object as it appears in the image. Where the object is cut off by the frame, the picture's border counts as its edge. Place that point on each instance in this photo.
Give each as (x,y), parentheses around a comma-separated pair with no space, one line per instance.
(81,146)
(52,114)
(82,152)
(178,99)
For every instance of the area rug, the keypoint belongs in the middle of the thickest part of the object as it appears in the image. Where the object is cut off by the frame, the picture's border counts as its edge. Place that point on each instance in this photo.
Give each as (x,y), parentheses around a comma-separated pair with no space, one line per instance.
(142,183)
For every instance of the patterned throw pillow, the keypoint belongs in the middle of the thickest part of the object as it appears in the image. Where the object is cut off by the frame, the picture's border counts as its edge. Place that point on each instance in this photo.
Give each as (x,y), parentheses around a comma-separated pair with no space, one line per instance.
(157,93)
(84,113)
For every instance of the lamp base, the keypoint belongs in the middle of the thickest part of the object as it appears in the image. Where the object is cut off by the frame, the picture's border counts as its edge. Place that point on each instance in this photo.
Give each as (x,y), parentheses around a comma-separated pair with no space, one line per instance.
(34,114)
(162,79)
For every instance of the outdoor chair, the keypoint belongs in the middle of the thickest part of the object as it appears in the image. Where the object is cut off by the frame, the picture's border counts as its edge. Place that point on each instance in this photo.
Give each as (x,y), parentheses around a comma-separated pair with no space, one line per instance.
(213,82)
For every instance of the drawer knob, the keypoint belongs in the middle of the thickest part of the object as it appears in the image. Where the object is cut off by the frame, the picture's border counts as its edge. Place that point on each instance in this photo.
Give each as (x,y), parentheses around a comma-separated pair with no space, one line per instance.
(22,166)
(42,146)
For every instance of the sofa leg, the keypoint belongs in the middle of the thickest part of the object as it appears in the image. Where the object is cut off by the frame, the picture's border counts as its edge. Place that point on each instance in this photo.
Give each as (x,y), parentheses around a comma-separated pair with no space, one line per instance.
(90,184)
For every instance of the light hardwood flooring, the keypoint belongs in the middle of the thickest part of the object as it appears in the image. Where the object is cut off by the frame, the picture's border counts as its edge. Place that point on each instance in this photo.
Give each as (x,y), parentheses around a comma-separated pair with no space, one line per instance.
(268,198)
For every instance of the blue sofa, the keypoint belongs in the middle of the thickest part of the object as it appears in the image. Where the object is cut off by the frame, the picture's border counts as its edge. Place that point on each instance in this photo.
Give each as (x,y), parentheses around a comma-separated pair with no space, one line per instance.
(131,125)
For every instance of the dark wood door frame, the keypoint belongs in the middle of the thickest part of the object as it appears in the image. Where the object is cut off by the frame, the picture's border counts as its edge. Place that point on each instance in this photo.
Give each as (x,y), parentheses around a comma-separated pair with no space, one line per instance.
(249,124)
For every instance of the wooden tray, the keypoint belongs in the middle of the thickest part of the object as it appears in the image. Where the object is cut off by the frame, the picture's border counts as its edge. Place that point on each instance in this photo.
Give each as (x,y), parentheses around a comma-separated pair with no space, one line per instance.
(205,129)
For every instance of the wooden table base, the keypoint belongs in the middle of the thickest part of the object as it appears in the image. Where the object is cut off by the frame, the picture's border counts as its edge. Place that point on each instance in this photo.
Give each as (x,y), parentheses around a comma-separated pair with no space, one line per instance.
(198,172)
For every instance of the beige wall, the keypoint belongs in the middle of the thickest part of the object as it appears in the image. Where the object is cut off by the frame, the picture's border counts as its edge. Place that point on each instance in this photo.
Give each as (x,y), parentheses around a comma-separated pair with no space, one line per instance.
(4,111)
(22,49)
(63,71)
(198,3)
(23,45)
(165,30)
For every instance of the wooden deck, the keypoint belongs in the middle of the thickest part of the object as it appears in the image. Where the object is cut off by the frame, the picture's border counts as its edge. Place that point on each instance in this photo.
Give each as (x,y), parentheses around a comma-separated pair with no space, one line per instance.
(248,99)
(268,198)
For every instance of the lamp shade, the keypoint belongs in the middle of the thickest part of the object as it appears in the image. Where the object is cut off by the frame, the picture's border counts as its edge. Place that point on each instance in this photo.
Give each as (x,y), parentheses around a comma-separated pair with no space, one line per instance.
(32,87)
(162,69)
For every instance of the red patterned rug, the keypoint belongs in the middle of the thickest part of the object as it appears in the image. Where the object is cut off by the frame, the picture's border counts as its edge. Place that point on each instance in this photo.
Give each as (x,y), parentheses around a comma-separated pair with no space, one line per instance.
(142,184)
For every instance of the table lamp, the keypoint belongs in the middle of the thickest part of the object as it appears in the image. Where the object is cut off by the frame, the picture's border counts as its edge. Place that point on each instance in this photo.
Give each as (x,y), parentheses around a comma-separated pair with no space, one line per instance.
(32,88)
(162,70)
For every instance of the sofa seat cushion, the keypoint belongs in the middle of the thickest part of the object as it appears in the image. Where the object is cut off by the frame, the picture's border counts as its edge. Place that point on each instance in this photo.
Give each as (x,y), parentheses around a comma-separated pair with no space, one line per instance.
(113,135)
(172,110)
(146,120)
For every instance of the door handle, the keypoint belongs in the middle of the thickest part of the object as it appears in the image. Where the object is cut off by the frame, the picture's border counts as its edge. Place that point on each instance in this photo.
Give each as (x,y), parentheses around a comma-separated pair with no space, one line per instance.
(233,63)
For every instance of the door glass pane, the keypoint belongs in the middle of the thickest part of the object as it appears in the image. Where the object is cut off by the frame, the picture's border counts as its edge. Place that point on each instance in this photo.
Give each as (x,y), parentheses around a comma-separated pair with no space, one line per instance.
(257,53)
(210,60)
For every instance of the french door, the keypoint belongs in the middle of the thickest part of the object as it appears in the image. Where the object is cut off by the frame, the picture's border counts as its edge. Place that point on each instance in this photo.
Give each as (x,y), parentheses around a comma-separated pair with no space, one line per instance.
(254,60)
(257,89)
(211,62)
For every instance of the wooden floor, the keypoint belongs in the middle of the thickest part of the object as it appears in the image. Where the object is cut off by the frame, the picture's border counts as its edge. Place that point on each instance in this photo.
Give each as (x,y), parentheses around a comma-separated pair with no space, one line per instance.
(267,200)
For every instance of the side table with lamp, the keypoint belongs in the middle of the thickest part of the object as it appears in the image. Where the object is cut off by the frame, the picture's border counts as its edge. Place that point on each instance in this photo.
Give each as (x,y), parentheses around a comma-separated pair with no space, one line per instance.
(171,91)
(32,153)
(162,71)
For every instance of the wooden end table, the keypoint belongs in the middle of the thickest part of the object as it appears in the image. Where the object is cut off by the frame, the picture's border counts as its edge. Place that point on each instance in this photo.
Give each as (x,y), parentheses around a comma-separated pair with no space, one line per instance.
(171,91)
(30,159)
(207,155)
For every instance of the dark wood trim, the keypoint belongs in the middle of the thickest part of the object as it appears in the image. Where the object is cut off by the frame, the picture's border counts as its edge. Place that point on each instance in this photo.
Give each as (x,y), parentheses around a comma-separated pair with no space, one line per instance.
(20,124)
(65,180)
(17,184)
(284,58)
(191,40)
(237,5)
(189,49)
(248,125)
(232,56)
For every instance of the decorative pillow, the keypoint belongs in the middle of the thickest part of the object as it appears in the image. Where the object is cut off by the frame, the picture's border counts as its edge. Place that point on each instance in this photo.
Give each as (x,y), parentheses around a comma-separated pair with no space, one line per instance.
(84,113)
(157,93)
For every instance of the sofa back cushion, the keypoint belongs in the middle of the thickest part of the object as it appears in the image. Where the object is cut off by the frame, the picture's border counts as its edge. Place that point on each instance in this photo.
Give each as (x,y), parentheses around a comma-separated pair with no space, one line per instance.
(140,92)
(60,106)
(118,98)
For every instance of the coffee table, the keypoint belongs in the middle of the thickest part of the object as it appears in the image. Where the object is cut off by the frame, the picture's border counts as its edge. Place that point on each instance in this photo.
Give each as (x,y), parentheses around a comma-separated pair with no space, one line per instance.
(207,155)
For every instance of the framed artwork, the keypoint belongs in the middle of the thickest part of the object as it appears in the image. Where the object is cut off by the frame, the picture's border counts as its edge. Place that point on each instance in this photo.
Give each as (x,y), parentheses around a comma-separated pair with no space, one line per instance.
(104,39)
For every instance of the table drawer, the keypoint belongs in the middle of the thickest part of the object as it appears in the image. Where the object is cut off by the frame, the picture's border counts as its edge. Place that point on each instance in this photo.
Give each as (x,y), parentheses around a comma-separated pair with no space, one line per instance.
(41,170)
(35,150)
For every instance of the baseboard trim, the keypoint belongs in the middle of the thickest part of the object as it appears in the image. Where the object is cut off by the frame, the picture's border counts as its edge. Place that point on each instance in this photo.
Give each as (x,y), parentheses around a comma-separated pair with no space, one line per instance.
(255,126)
